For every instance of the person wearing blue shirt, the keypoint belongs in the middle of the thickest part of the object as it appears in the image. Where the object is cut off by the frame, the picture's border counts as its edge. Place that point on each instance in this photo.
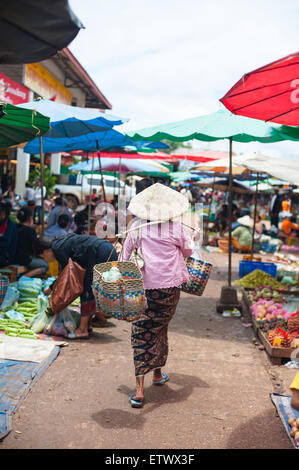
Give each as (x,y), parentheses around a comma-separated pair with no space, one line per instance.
(60,228)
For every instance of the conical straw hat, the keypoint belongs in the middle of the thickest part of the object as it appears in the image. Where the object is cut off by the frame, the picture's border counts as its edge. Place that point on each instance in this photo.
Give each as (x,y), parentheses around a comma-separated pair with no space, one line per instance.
(158,202)
(246,220)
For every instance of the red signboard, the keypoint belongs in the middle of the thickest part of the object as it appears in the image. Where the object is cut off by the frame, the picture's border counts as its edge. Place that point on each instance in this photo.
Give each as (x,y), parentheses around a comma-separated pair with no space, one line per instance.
(12,92)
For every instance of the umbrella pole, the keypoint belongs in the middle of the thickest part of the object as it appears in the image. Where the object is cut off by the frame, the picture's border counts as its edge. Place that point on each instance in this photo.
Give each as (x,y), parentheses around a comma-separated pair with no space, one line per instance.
(210,204)
(230,212)
(42,178)
(254,216)
(101,171)
(90,195)
(119,172)
(229,297)
(114,185)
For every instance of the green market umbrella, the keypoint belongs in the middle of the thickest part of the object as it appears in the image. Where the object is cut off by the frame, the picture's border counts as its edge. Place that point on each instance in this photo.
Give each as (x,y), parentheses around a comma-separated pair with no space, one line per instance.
(211,127)
(19,125)
(219,125)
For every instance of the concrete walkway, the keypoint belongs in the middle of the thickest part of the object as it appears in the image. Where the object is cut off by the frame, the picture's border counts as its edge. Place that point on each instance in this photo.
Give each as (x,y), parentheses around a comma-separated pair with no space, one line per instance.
(217,396)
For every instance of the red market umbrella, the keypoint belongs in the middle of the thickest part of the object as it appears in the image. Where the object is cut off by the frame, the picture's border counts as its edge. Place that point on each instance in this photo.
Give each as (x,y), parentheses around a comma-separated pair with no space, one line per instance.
(269,93)
(200,156)
(133,156)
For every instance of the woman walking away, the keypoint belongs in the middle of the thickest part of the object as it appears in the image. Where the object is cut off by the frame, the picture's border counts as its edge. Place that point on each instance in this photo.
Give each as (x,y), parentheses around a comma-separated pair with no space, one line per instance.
(164,246)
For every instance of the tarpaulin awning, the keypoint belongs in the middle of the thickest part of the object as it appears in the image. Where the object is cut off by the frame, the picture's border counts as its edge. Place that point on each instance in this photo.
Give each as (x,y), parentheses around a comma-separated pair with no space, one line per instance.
(283,169)
(221,166)
(31,30)
(223,185)
(19,125)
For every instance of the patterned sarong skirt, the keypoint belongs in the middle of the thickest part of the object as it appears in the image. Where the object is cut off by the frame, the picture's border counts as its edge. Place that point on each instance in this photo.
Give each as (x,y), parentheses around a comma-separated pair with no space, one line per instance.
(149,337)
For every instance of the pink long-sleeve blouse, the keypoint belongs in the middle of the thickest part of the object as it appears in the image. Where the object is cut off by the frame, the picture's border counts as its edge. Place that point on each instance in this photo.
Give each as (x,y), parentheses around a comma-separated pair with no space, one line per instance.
(163,248)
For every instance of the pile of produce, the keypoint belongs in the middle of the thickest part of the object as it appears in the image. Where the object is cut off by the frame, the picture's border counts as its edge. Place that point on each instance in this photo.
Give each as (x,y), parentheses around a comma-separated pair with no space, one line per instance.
(293,322)
(29,288)
(22,318)
(15,320)
(294,426)
(264,310)
(266,293)
(259,278)
(281,338)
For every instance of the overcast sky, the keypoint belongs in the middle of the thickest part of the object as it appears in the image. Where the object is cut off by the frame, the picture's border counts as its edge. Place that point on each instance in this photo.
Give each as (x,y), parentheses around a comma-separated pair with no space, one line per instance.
(158,61)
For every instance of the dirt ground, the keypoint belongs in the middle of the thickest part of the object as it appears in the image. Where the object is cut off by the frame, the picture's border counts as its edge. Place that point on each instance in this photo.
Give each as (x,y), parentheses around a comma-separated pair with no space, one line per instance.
(218,396)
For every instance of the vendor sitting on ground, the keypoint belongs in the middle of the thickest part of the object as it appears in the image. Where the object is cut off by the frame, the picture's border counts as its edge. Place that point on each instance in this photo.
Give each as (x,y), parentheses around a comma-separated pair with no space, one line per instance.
(87,251)
(26,243)
(289,228)
(242,235)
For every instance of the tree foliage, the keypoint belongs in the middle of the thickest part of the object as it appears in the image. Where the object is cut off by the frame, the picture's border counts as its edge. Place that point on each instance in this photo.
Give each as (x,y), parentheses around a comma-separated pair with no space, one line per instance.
(176,145)
(50,179)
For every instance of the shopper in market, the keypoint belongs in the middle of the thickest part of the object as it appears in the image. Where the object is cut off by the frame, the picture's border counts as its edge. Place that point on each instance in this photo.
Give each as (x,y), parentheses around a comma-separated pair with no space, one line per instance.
(29,192)
(286,203)
(25,246)
(58,209)
(275,208)
(87,251)
(39,191)
(60,229)
(163,248)
(8,236)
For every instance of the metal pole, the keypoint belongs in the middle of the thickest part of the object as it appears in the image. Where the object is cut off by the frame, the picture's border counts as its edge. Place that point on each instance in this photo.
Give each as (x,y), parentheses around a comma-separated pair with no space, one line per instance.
(90,195)
(119,173)
(230,212)
(42,178)
(210,204)
(254,216)
(101,171)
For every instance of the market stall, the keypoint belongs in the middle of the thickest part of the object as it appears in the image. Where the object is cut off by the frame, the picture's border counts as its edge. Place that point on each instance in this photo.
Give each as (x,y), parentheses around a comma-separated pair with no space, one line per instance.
(273,308)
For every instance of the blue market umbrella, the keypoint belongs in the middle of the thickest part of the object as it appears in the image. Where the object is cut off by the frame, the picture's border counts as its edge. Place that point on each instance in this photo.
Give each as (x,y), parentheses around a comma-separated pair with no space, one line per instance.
(68,124)
(71,121)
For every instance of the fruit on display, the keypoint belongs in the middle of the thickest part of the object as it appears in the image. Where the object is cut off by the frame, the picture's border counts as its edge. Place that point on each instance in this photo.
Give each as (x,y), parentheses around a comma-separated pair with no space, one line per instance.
(267,293)
(264,310)
(259,278)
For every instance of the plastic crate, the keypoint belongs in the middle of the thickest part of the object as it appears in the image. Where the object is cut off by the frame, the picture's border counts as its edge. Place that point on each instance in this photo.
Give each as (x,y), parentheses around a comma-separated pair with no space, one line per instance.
(246,267)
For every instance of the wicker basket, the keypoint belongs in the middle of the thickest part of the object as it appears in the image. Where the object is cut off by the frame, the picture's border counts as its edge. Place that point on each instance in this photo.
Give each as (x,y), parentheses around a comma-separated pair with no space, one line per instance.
(124,299)
(199,272)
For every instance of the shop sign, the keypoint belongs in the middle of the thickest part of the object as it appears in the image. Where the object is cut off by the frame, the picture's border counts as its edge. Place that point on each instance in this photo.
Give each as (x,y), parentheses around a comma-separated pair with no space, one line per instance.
(38,79)
(12,92)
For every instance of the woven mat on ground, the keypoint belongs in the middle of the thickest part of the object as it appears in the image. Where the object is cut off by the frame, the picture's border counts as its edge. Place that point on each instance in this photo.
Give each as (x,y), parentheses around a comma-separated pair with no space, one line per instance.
(285,411)
(16,380)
